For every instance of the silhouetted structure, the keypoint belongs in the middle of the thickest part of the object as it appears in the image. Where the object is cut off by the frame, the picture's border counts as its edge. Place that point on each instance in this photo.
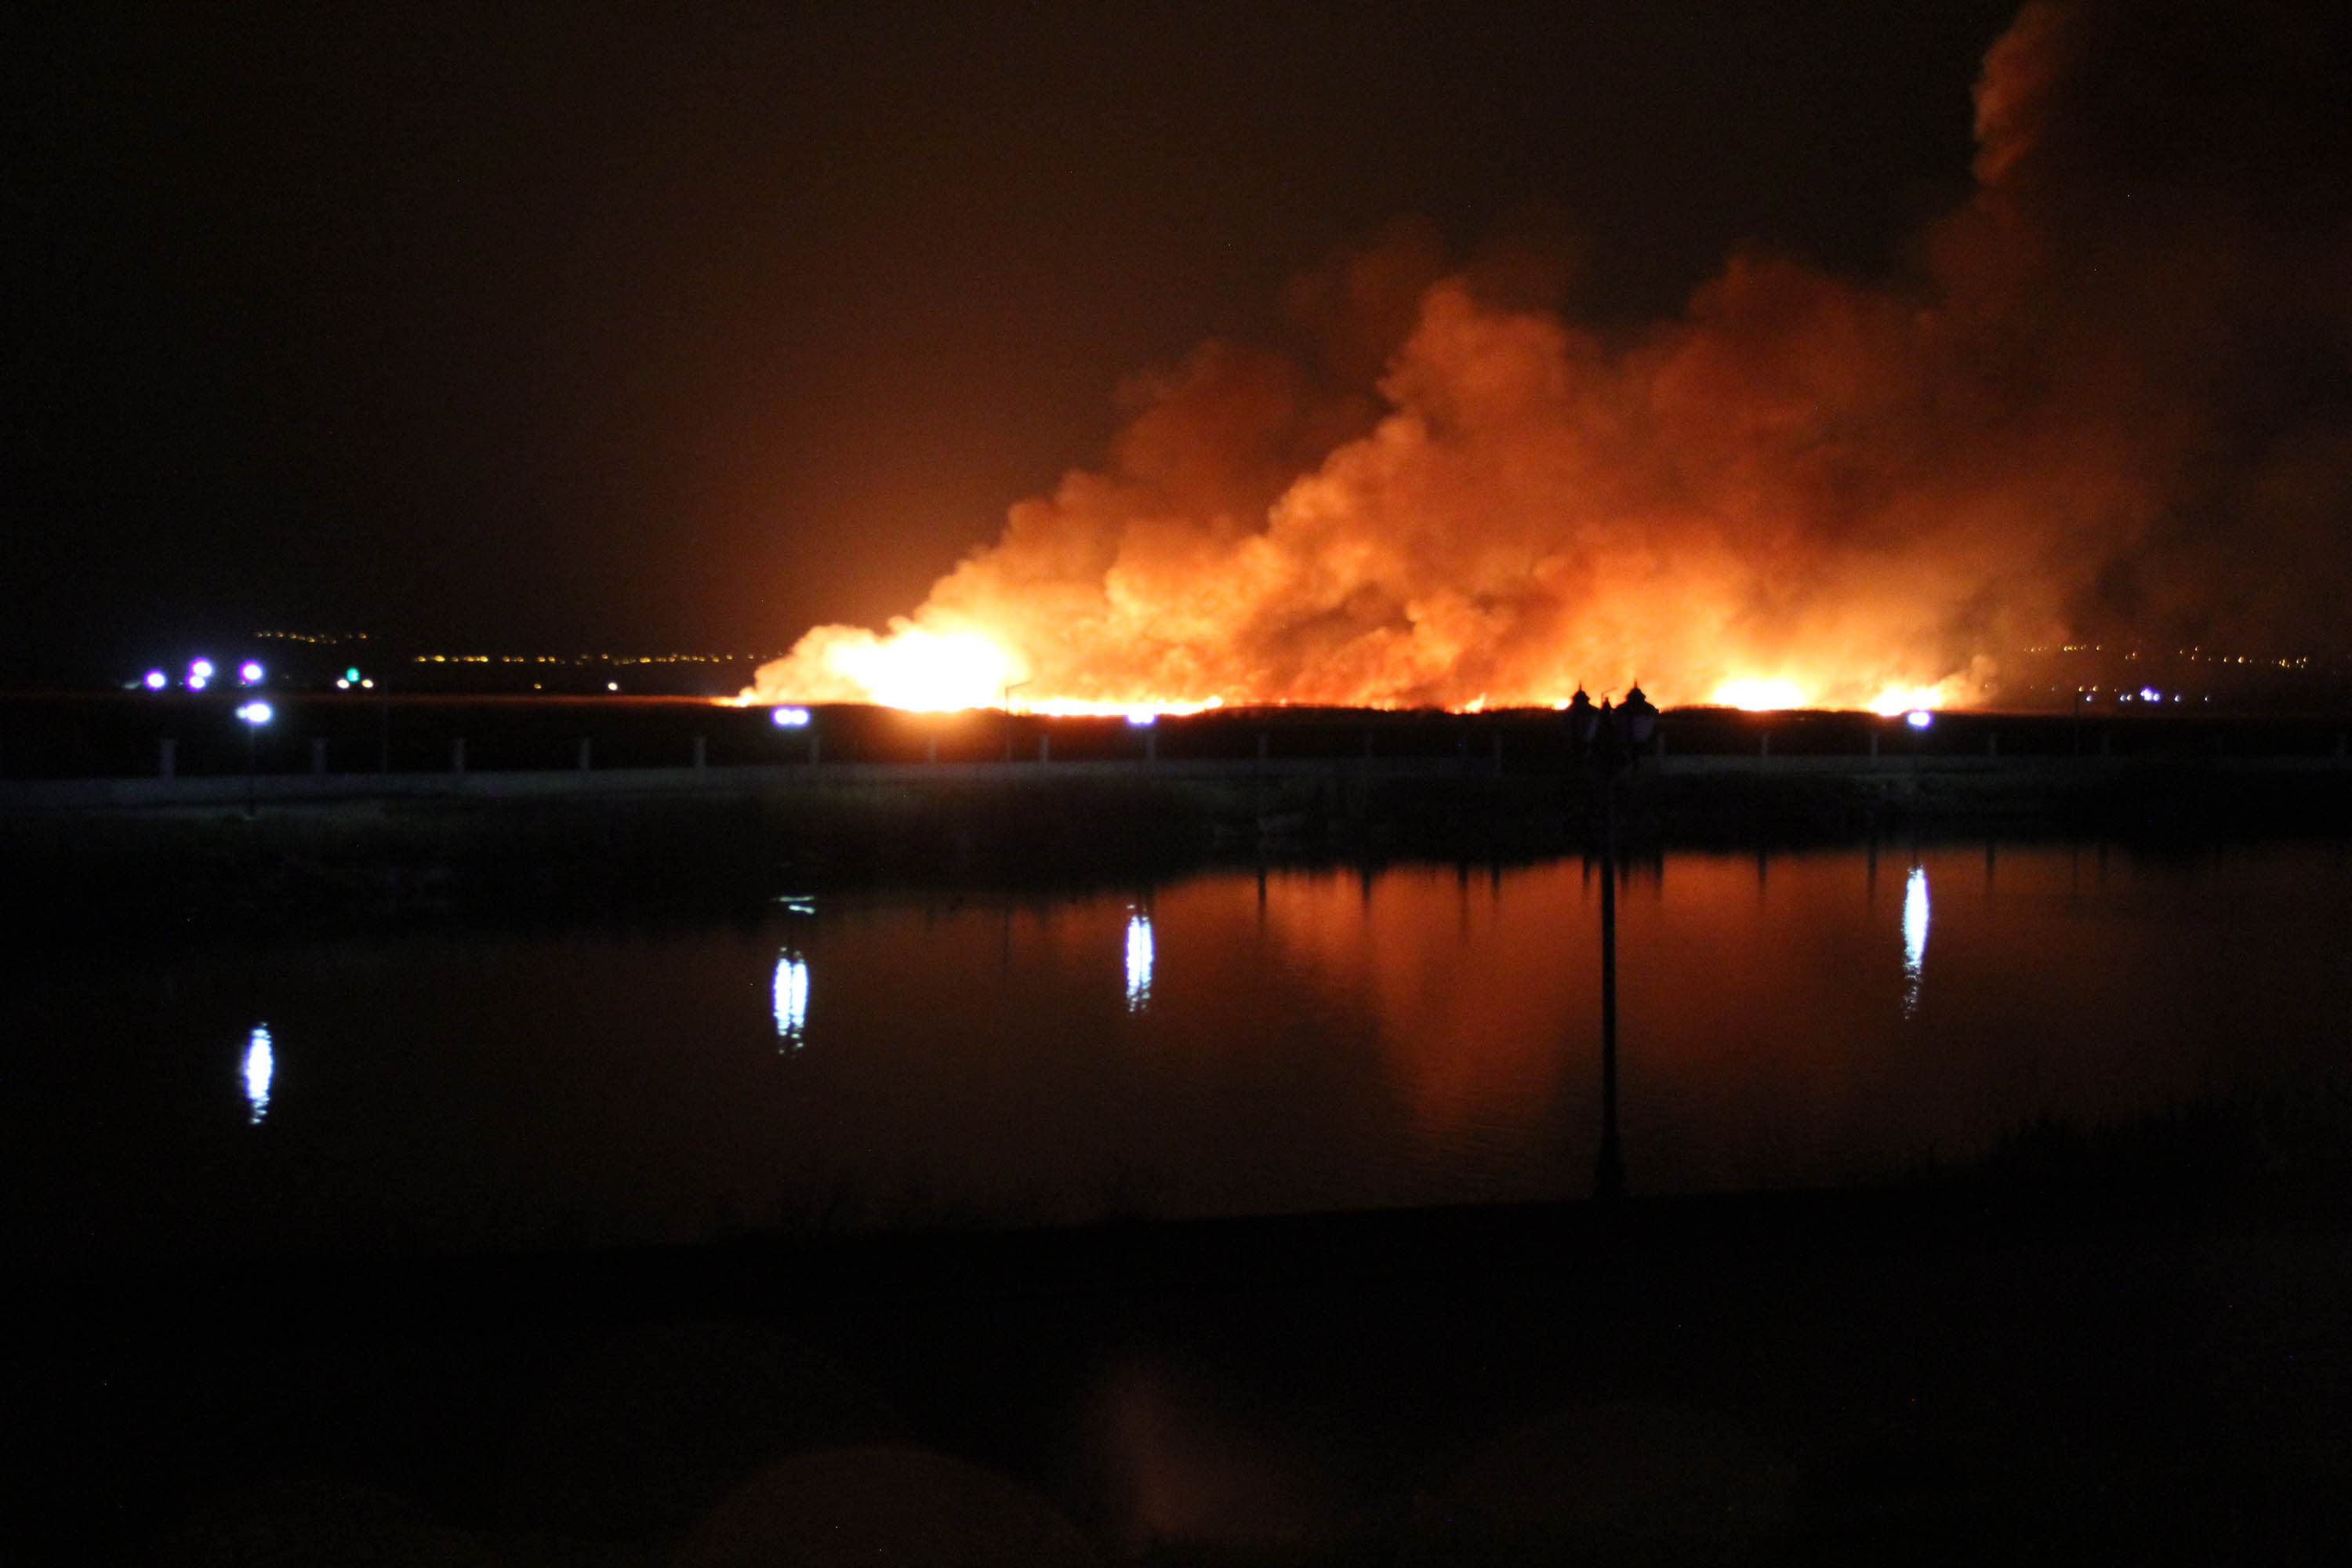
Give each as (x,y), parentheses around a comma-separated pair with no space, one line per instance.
(1607,742)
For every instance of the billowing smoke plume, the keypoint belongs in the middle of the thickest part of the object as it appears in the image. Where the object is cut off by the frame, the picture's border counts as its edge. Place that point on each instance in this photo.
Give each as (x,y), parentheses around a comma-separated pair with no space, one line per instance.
(2111,397)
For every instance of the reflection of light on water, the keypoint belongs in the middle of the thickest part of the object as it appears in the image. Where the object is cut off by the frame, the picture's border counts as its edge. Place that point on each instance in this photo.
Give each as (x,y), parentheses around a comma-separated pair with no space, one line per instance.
(261,1067)
(1915,936)
(1138,963)
(792,999)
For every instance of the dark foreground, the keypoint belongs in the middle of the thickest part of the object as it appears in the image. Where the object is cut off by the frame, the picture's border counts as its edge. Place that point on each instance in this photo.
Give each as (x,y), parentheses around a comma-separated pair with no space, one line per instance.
(2105,1349)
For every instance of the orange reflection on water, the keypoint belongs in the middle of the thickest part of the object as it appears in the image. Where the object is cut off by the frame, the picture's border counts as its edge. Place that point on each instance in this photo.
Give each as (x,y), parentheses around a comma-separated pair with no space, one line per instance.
(1472,995)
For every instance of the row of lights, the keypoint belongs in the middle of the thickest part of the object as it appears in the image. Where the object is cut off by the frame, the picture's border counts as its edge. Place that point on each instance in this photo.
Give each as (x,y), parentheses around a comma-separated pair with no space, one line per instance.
(202,672)
(200,675)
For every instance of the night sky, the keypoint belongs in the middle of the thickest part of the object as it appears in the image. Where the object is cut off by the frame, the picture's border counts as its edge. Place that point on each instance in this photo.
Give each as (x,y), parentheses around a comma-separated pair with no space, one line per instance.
(668,327)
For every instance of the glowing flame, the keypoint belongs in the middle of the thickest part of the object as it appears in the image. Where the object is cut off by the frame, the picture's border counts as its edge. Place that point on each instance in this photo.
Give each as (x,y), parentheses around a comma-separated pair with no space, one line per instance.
(914,667)
(1758,696)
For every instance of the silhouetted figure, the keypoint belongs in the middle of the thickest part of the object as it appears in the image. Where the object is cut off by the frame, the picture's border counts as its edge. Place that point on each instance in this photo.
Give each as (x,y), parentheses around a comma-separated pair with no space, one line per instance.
(1583,721)
(1639,717)
(1608,750)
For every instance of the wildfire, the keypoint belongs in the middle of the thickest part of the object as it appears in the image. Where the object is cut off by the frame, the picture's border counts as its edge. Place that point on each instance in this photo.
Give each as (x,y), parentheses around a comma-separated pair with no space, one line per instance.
(1803,490)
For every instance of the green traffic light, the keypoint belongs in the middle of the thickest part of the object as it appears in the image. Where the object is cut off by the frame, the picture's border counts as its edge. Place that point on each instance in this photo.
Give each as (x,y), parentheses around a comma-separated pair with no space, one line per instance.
(350,675)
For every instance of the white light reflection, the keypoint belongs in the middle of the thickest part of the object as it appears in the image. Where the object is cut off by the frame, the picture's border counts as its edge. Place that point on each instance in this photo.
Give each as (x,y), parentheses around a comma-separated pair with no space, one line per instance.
(1138,963)
(1915,937)
(791,996)
(261,1067)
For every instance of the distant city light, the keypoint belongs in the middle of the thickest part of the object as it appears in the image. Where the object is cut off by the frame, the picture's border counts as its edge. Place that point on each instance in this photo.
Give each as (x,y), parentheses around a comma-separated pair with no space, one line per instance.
(255,713)
(788,717)
(1142,717)
(198,683)
(1918,718)
(249,672)
(200,670)
(156,680)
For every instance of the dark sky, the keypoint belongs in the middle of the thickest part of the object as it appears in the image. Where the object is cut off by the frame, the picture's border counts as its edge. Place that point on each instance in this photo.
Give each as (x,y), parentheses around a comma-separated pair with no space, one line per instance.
(688,327)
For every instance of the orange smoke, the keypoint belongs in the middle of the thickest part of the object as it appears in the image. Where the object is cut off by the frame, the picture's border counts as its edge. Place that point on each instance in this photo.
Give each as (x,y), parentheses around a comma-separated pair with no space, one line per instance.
(1805,491)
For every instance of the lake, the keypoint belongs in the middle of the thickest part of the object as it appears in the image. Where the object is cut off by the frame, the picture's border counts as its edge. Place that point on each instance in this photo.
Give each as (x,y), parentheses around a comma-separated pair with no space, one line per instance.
(1227,1043)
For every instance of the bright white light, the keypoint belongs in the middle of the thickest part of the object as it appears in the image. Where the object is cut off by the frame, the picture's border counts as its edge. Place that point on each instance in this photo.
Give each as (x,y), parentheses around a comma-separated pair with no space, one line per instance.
(1915,937)
(1138,963)
(261,1067)
(1918,718)
(612,685)
(254,714)
(200,669)
(369,683)
(156,680)
(198,683)
(249,672)
(2151,694)
(789,718)
(792,995)
(1142,717)
(342,685)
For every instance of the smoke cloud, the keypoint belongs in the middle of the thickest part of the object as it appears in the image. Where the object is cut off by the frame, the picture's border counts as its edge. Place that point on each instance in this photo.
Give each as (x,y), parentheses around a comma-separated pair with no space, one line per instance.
(2108,397)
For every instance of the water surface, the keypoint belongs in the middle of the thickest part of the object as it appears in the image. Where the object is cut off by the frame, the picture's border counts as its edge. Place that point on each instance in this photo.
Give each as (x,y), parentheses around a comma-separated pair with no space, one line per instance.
(1229,1043)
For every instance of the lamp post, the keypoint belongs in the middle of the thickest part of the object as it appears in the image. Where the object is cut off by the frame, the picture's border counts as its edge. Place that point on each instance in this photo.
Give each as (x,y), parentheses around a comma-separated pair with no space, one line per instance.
(1609,743)
(1010,687)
